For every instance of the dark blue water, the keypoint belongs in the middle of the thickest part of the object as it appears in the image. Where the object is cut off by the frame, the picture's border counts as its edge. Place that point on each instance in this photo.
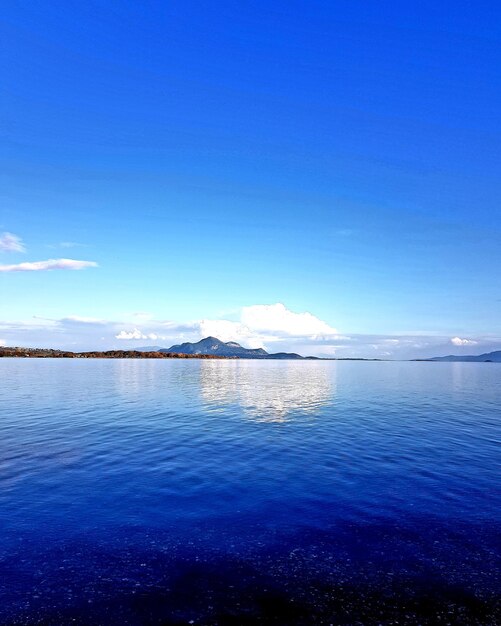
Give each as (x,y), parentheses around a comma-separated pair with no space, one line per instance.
(242,492)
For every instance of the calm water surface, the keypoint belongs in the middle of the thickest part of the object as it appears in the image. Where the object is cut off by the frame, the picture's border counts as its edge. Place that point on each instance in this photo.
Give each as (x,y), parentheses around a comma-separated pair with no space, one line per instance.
(242,492)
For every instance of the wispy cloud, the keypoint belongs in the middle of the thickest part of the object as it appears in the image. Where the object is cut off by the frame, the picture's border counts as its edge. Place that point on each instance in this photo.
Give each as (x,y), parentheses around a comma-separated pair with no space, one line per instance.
(50,264)
(78,319)
(71,244)
(66,244)
(11,243)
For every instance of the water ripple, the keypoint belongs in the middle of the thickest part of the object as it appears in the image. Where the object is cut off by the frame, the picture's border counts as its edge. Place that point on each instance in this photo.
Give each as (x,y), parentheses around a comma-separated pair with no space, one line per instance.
(244,458)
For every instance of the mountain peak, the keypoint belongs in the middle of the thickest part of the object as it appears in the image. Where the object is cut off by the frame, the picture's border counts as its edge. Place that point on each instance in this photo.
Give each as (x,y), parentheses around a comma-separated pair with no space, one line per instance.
(213,345)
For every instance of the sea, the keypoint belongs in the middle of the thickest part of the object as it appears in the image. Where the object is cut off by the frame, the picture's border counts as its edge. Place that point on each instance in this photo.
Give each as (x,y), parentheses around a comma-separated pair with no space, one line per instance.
(235,492)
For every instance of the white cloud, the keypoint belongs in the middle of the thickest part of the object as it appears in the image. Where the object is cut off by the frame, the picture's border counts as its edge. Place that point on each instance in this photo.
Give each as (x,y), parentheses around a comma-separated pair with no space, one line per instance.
(262,324)
(77,319)
(11,243)
(276,318)
(457,341)
(50,264)
(259,327)
(135,334)
(2,342)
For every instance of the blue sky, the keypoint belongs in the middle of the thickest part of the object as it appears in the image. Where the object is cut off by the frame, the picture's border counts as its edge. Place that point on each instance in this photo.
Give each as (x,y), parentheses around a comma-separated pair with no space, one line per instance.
(336,158)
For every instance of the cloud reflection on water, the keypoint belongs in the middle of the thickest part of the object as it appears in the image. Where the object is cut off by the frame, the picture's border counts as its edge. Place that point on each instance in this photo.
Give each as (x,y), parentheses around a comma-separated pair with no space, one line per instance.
(268,391)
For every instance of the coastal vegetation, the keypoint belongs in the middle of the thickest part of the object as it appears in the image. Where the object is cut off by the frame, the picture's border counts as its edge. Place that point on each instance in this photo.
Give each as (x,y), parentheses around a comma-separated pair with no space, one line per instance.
(47,353)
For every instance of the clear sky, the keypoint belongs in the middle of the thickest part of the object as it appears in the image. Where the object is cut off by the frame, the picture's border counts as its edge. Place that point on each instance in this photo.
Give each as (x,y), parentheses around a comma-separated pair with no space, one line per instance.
(226,167)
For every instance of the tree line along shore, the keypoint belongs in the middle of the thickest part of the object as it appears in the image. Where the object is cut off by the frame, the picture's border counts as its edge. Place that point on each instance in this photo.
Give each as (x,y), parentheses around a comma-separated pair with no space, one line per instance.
(46,353)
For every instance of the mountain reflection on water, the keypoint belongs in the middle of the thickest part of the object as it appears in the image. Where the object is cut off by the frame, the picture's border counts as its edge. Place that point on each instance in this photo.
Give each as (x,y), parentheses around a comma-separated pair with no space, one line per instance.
(269,392)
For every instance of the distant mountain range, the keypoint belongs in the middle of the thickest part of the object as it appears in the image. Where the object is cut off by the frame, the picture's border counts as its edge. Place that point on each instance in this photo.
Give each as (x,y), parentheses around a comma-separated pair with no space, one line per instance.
(214,346)
(489,357)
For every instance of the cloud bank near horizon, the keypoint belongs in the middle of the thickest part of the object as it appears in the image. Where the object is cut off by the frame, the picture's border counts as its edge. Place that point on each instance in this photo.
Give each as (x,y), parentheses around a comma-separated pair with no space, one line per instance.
(271,326)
